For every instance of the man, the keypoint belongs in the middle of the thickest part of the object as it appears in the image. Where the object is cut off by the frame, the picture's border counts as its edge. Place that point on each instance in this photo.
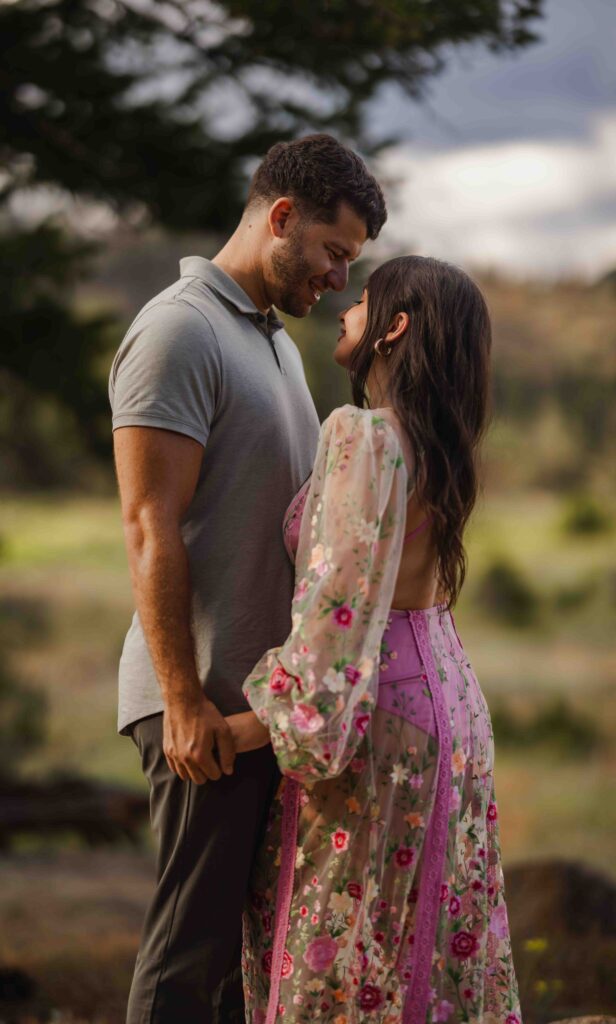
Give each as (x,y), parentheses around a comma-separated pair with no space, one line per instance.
(214,432)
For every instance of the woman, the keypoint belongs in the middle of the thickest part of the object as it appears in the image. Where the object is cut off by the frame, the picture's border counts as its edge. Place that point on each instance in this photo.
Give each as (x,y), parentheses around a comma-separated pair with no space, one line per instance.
(377,894)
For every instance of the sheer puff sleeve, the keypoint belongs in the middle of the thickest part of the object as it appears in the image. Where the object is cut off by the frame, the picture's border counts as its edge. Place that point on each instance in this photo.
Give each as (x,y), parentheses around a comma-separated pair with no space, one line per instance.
(316,692)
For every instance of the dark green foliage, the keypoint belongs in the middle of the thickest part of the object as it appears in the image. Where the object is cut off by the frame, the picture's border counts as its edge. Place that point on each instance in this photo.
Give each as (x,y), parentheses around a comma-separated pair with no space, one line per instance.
(160,111)
(570,598)
(584,515)
(22,720)
(48,360)
(23,709)
(556,725)
(506,595)
(81,102)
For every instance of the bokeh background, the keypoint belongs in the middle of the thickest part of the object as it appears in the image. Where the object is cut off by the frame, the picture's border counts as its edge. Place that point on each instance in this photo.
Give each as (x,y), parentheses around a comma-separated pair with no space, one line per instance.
(128,131)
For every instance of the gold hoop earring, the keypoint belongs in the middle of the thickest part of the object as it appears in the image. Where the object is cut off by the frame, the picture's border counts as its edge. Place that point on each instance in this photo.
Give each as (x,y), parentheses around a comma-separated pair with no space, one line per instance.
(377,343)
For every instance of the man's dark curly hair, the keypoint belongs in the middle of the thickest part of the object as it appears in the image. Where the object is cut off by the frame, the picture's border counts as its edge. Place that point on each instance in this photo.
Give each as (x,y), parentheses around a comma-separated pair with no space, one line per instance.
(319,173)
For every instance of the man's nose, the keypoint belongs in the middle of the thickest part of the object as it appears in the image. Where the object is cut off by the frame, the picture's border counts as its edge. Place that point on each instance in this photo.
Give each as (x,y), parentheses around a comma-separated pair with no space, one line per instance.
(339,278)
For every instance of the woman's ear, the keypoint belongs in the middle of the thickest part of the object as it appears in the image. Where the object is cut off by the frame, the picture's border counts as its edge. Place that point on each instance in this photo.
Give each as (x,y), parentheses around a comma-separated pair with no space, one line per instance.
(397,327)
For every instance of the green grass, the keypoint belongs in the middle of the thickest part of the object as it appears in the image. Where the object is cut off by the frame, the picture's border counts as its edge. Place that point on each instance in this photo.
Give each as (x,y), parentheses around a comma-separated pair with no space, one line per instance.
(65,557)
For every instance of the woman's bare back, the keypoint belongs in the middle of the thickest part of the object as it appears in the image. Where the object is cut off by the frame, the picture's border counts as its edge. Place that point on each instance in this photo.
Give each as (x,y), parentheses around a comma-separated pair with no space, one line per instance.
(416,584)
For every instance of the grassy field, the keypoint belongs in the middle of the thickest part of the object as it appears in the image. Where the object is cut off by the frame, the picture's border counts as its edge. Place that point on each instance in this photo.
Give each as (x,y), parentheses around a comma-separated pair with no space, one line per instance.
(65,605)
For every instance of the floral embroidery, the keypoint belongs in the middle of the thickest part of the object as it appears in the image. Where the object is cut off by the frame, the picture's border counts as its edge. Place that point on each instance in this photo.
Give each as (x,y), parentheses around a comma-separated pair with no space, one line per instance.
(369,771)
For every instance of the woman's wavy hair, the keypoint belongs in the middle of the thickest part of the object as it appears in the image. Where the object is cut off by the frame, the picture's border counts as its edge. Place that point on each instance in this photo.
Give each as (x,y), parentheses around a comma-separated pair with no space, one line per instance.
(440,383)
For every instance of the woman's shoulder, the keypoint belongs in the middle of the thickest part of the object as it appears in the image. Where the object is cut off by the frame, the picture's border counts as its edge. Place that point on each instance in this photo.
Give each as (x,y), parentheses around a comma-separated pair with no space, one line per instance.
(377,426)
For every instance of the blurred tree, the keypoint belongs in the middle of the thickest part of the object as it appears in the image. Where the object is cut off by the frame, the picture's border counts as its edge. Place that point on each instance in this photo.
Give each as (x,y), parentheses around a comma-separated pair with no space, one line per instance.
(158,108)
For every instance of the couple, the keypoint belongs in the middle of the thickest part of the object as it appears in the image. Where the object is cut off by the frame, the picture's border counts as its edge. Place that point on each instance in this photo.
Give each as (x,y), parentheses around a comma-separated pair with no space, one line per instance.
(318,750)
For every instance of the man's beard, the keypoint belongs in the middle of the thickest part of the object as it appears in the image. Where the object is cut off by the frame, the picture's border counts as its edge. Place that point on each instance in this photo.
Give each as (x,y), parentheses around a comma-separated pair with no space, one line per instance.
(292,272)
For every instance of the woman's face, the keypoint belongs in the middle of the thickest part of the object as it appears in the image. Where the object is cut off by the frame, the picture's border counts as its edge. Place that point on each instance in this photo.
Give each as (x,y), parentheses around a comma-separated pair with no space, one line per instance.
(352,326)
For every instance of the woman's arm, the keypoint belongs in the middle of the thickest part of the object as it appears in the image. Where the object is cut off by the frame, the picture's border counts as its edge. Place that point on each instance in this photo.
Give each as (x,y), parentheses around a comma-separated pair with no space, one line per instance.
(315,694)
(247,732)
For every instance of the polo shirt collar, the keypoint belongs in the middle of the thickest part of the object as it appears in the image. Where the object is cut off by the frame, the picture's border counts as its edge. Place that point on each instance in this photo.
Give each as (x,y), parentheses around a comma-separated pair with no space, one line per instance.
(221,282)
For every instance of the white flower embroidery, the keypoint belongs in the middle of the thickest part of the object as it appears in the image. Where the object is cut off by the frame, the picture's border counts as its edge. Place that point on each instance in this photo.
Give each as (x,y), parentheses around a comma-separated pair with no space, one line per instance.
(366,532)
(399,774)
(340,903)
(316,556)
(334,681)
(281,720)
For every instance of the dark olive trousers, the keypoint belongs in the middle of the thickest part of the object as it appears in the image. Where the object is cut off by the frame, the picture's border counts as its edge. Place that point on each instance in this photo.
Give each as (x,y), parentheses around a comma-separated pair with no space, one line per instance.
(188,968)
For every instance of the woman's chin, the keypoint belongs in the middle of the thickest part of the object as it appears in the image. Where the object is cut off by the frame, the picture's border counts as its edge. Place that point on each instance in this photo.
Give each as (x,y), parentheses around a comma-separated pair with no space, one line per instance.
(341,357)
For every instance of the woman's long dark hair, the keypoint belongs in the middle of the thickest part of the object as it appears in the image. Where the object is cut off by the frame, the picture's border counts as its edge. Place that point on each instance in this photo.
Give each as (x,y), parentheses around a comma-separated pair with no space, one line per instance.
(440,381)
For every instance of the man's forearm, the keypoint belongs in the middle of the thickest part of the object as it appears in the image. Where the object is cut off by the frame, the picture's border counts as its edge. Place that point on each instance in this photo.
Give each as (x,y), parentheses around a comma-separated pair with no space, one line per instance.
(161,584)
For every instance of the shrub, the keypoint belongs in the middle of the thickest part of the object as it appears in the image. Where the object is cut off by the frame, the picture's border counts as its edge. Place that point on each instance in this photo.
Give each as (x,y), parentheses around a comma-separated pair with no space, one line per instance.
(555,725)
(505,593)
(585,516)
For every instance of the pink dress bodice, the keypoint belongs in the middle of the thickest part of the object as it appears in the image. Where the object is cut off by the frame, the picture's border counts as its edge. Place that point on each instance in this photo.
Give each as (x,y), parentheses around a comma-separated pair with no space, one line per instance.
(292,521)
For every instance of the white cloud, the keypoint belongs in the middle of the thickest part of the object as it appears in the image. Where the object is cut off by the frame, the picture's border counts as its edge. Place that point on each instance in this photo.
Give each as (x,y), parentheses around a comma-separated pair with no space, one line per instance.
(528,207)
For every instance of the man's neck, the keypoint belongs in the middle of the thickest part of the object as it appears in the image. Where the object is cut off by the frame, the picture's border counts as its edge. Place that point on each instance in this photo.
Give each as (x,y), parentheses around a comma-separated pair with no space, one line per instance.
(237,259)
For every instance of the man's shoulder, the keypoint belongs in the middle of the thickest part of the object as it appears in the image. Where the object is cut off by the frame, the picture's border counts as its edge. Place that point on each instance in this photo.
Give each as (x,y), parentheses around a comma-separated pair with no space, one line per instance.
(175,308)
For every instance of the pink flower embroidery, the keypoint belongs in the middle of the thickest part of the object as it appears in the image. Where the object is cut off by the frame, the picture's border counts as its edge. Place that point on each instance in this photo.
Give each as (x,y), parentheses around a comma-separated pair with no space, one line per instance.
(280,681)
(370,997)
(355,890)
(404,856)
(498,922)
(361,724)
(343,616)
(266,961)
(320,954)
(340,839)
(442,1011)
(463,944)
(416,781)
(306,719)
(287,965)
(444,892)
(358,764)
(454,906)
(492,814)
(512,1018)
(352,675)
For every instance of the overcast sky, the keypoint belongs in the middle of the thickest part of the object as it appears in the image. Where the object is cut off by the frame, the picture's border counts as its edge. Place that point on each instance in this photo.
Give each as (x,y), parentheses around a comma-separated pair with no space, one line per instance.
(511,163)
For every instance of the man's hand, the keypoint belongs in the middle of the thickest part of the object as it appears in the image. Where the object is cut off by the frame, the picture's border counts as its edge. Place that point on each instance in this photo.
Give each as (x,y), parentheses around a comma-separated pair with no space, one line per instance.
(247,731)
(192,733)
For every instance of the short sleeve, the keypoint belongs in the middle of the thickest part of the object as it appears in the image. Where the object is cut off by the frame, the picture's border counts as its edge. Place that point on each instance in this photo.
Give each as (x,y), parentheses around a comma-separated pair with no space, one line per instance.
(167,372)
(316,692)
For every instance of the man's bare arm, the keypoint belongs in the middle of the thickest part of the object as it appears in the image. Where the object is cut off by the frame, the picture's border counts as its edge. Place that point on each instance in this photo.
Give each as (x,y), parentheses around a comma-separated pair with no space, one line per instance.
(157,474)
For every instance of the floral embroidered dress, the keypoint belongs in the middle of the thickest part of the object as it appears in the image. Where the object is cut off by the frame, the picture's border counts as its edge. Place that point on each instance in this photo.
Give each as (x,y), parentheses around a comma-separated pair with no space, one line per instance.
(377,892)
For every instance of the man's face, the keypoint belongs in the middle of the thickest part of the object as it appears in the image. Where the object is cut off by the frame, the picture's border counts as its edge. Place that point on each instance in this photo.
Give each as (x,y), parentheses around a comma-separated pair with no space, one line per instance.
(309,258)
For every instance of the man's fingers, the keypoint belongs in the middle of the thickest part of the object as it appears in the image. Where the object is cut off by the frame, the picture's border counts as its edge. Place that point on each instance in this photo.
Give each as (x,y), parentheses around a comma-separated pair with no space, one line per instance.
(196,774)
(226,750)
(207,764)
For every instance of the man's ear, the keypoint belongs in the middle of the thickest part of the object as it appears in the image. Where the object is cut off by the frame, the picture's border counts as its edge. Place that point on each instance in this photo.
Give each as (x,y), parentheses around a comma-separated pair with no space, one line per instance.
(281,216)
(398,327)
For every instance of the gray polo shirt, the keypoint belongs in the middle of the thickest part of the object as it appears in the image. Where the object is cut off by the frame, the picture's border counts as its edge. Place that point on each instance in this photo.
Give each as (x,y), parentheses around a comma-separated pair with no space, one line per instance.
(200,359)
